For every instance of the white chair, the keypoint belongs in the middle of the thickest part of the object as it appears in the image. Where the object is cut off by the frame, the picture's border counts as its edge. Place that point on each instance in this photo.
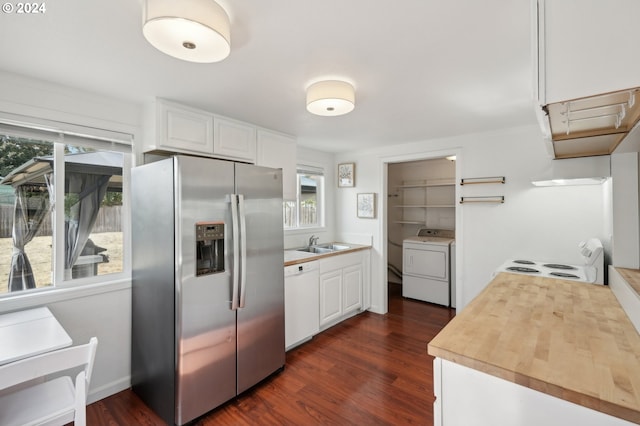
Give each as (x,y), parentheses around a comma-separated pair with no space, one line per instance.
(52,402)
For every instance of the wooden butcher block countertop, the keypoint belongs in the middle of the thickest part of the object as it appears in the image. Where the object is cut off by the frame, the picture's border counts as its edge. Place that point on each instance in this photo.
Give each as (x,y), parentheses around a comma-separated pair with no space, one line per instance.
(631,276)
(567,339)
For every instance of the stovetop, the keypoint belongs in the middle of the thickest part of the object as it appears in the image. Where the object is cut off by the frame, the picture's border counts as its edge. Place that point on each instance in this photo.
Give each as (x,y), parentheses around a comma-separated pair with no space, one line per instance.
(550,269)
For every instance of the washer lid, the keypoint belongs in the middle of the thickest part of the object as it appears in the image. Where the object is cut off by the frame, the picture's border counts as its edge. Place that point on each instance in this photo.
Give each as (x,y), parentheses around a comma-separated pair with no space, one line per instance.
(440,233)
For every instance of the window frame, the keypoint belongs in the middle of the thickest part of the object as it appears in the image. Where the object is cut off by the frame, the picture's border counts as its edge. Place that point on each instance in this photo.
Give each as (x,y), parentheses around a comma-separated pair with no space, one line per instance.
(305,169)
(61,135)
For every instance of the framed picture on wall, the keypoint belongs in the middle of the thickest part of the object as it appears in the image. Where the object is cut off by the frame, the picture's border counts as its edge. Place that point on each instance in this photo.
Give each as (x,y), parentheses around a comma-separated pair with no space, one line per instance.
(367,205)
(346,175)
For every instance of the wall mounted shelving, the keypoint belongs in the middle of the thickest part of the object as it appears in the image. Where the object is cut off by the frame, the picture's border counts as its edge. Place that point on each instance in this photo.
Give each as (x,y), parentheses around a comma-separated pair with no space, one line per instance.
(417,197)
(482,180)
(485,199)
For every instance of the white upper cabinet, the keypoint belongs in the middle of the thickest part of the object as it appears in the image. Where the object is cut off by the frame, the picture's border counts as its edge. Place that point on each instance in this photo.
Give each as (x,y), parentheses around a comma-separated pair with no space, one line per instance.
(182,129)
(176,128)
(279,151)
(585,48)
(234,139)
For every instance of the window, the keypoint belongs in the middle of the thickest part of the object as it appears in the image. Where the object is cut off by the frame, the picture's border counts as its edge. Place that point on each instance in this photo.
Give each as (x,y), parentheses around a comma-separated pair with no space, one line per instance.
(45,243)
(307,210)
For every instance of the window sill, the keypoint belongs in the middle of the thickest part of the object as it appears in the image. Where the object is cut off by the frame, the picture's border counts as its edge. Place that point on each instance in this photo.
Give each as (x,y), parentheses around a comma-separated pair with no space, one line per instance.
(60,294)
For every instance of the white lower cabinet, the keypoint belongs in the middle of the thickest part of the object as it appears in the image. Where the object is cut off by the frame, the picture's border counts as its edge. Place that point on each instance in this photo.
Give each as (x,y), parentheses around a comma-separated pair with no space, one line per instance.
(341,287)
(320,293)
(330,297)
(352,288)
(465,396)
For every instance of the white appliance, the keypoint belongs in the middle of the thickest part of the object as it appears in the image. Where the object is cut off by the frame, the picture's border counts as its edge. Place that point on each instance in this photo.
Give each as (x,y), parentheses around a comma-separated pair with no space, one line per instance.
(426,269)
(301,303)
(592,271)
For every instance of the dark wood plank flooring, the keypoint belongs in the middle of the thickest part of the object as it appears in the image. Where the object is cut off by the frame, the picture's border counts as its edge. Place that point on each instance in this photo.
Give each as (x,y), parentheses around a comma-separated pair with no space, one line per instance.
(369,370)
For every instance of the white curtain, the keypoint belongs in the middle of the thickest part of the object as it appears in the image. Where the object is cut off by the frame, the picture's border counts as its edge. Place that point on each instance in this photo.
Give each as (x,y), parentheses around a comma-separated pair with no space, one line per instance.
(82,214)
(30,209)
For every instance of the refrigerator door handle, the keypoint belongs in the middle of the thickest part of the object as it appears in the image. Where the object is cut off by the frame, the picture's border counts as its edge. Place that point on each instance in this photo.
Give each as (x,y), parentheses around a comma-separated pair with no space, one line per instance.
(243,249)
(236,263)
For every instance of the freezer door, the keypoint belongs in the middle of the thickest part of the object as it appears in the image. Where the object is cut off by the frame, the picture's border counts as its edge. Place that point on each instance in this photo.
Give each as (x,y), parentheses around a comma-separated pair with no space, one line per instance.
(205,323)
(261,315)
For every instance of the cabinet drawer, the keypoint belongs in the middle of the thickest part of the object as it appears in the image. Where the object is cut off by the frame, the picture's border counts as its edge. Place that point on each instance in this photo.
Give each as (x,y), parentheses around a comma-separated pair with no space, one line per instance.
(340,261)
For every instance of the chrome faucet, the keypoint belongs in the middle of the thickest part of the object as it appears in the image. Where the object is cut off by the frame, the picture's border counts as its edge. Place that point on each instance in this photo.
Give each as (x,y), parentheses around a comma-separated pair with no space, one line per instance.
(313,240)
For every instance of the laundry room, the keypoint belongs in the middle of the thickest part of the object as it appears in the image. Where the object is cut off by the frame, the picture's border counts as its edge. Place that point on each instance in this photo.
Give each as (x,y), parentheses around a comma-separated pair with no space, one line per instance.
(421,210)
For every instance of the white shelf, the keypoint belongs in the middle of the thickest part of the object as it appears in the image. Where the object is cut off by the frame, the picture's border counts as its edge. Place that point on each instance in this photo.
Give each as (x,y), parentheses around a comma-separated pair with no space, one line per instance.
(409,222)
(428,183)
(419,198)
(426,206)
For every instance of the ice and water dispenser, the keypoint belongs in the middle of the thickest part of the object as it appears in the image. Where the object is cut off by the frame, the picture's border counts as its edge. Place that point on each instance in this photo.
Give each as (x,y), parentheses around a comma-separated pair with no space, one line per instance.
(209,248)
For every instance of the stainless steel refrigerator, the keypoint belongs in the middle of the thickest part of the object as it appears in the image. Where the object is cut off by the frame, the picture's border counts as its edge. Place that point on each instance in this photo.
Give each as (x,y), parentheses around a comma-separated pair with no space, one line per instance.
(208,282)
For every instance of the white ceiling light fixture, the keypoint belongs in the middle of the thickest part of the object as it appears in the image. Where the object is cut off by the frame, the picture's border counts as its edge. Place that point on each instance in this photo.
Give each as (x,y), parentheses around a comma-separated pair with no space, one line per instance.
(330,98)
(191,30)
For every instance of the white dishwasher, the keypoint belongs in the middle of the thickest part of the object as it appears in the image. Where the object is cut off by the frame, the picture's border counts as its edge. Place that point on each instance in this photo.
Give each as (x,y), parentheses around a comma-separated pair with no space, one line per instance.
(301,303)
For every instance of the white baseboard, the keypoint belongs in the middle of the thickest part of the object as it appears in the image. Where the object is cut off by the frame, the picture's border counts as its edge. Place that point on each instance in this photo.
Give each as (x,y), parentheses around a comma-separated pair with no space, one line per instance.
(109,389)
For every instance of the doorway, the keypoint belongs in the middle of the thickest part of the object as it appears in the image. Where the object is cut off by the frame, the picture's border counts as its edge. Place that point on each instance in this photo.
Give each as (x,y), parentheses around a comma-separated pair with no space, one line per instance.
(420,191)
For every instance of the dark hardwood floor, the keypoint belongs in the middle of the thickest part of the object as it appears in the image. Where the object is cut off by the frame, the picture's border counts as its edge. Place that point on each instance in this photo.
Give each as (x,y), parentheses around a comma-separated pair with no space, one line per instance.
(369,370)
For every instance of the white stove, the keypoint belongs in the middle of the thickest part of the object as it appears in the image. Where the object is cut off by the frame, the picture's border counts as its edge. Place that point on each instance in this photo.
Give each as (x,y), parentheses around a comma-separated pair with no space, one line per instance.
(592,271)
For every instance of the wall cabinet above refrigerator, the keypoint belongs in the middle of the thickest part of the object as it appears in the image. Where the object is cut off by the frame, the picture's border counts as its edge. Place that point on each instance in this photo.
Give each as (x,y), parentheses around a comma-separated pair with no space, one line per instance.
(173,128)
(584,51)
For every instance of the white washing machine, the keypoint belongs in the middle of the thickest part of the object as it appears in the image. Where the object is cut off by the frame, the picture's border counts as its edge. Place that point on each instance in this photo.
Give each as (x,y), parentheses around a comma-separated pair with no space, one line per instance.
(426,266)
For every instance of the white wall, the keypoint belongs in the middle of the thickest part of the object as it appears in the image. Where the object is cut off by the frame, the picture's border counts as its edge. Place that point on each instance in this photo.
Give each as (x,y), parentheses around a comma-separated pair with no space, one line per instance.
(626,205)
(535,223)
(100,310)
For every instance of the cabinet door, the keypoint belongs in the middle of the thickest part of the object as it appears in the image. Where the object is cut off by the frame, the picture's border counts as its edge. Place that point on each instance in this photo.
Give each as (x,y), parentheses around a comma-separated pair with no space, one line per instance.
(279,151)
(351,288)
(330,296)
(234,139)
(183,129)
(586,47)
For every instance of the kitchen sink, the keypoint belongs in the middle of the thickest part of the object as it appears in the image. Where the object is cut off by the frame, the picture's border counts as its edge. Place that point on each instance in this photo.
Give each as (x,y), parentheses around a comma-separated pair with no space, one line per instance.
(324,248)
(314,249)
(334,247)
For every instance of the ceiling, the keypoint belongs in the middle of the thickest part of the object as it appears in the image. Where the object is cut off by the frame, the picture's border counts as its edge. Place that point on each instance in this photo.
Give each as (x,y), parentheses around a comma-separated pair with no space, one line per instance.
(422,69)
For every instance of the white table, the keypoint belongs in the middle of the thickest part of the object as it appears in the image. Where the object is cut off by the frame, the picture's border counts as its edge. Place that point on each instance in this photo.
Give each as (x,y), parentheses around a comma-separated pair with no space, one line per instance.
(28,333)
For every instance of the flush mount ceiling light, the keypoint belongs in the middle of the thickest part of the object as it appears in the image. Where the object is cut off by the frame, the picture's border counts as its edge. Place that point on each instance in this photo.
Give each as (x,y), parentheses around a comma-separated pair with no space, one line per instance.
(191,30)
(330,98)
